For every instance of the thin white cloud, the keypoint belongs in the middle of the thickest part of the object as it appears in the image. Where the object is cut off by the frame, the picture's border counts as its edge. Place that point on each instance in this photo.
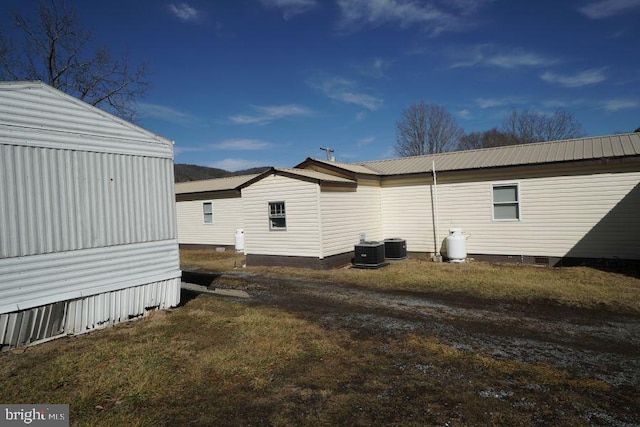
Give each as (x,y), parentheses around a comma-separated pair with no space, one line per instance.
(376,68)
(184,12)
(365,141)
(491,56)
(343,90)
(366,13)
(269,113)
(235,164)
(497,102)
(163,112)
(464,114)
(583,78)
(290,8)
(518,59)
(620,104)
(606,8)
(447,16)
(241,145)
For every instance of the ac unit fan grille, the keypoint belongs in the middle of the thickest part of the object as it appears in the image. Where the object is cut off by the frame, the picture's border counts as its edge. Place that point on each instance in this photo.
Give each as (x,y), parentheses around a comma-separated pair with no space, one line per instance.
(395,248)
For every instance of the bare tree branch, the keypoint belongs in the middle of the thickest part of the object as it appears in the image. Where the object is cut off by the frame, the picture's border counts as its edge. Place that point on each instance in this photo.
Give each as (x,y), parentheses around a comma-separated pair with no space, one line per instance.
(54,48)
(526,127)
(487,139)
(425,129)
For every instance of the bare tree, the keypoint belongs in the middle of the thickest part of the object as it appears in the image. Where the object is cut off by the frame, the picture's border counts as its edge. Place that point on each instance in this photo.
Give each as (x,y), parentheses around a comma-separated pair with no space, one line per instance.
(426,129)
(54,48)
(528,126)
(487,139)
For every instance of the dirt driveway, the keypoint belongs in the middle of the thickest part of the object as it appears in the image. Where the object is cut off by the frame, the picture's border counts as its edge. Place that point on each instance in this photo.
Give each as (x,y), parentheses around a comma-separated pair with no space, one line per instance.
(600,344)
(587,343)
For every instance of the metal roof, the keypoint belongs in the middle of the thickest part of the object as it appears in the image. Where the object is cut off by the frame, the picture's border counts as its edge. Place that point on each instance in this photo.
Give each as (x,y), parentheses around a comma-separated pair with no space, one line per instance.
(34,105)
(611,146)
(314,175)
(237,182)
(360,168)
(216,184)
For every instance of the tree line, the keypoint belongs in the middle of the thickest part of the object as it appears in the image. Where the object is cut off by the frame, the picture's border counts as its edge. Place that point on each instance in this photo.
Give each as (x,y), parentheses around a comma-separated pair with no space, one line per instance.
(430,128)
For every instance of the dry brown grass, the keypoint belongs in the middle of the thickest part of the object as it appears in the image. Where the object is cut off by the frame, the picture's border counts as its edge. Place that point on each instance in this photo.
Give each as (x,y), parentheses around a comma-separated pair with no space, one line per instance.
(218,362)
(571,286)
(215,362)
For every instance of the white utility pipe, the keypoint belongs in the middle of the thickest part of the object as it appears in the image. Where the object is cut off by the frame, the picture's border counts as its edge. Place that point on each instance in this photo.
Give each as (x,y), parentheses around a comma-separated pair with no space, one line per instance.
(435,209)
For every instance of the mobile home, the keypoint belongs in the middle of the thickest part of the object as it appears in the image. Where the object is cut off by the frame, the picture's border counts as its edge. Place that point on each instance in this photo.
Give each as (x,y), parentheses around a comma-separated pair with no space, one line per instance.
(87,217)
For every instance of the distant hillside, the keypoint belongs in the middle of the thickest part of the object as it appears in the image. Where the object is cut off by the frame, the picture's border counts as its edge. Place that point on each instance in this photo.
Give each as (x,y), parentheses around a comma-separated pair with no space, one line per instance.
(184,173)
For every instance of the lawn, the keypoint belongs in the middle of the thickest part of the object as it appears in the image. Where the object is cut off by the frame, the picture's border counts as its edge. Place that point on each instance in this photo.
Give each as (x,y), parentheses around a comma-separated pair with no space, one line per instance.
(215,361)
(582,287)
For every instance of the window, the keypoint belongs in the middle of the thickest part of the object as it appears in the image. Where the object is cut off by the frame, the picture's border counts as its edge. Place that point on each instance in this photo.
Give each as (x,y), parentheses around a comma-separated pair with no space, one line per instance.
(506,202)
(207,212)
(277,217)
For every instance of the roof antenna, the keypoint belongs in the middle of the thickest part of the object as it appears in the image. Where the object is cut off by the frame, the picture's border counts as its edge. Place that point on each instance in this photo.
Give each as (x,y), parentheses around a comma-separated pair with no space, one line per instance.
(328,152)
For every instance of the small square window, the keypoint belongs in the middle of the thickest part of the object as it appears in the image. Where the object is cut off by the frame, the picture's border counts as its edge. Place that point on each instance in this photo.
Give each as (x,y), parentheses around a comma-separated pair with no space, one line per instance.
(207,212)
(277,216)
(506,202)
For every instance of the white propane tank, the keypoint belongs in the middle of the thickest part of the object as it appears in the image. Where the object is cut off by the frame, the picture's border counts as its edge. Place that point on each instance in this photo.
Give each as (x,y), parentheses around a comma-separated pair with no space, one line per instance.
(239,240)
(456,245)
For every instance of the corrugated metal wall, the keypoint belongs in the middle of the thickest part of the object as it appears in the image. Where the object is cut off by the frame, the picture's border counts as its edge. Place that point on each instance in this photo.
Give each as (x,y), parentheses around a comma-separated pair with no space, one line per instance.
(87,216)
(64,200)
(36,280)
(85,314)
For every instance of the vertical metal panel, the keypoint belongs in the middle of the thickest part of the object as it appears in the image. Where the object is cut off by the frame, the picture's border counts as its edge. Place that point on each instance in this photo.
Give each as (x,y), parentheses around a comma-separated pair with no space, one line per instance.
(57,200)
(85,314)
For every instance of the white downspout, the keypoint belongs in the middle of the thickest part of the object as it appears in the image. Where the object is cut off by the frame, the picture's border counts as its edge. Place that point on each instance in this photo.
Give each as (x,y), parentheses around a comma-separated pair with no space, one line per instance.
(436,221)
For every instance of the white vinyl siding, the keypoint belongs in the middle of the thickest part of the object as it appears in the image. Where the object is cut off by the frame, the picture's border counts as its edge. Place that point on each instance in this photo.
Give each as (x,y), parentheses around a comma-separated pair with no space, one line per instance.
(302,236)
(346,214)
(588,216)
(506,202)
(192,230)
(207,212)
(407,212)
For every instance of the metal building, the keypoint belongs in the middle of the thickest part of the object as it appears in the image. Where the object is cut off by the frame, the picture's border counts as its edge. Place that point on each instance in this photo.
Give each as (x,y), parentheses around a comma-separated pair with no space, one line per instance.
(87,217)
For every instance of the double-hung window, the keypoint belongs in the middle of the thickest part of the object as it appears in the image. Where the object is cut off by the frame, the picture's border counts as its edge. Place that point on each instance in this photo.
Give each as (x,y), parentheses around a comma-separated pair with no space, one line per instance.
(277,216)
(207,212)
(506,202)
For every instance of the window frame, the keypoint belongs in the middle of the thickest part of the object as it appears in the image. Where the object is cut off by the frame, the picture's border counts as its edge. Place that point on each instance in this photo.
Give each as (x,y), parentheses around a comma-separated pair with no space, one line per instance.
(205,213)
(275,214)
(517,203)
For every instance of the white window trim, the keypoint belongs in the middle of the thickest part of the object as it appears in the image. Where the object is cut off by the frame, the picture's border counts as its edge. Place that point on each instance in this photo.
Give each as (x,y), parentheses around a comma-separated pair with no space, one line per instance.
(518,201)
(203,214)
(271,227)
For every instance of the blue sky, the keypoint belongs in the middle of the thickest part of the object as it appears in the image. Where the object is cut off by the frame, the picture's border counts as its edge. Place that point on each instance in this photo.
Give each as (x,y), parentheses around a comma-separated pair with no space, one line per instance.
(244,83)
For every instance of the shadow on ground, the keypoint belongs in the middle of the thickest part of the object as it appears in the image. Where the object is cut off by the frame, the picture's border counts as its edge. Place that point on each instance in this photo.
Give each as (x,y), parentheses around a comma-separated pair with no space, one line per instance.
(196,278)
